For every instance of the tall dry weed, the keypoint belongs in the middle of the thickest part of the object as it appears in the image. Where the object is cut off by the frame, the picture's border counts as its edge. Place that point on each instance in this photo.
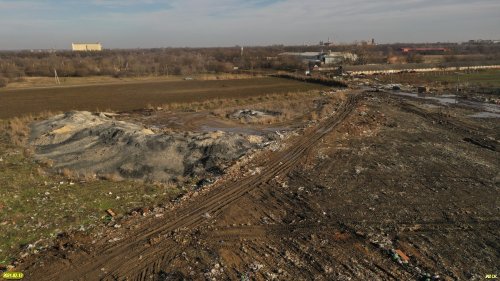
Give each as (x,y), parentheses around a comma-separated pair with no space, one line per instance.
(18,127)
(18,130)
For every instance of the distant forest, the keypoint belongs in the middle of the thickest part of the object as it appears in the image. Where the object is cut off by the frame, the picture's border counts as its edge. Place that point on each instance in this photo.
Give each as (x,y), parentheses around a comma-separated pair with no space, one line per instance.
(15,65)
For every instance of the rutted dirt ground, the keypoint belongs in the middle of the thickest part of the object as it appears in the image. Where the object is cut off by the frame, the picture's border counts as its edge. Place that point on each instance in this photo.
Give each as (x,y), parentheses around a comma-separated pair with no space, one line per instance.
(386,188)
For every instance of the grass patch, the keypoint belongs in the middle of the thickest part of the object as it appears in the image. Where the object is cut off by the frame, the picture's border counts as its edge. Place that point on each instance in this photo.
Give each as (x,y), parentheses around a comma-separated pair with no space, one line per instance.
(482,78)
(310,105)
(289,106)
(36,206)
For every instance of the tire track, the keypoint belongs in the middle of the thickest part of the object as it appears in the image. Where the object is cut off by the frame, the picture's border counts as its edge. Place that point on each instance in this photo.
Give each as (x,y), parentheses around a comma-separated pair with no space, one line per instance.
(122,259)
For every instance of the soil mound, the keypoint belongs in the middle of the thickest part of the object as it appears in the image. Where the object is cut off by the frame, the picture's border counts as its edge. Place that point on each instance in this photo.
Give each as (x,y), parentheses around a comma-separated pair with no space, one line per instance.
(96,143)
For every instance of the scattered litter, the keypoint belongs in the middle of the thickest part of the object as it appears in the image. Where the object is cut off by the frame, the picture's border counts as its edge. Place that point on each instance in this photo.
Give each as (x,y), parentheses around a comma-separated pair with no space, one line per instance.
(110,212)
(402,255)
(114,240)
(399,257)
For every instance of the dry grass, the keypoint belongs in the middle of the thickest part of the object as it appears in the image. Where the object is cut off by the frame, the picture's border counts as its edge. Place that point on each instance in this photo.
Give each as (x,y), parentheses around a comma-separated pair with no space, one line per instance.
(18,130)
(220,106)
(67,173)
(28,82)
(87,176)
(18,127)
(288,106)
(228,76)
(112,177)
(45,162)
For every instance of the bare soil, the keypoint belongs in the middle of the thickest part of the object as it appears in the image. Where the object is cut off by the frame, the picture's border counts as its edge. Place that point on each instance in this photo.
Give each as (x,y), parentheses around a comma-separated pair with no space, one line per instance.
(385,188)
(138,95)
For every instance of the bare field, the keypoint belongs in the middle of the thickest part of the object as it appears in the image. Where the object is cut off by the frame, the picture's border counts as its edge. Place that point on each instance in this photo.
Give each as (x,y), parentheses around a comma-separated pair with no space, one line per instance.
(32,82)
(129,96)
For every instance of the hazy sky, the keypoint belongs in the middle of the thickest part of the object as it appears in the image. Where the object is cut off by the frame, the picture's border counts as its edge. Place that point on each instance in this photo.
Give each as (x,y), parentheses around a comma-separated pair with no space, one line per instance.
(30,24)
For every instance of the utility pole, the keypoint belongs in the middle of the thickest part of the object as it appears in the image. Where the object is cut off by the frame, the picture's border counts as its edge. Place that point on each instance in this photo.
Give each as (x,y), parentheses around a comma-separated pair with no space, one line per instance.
(56,78)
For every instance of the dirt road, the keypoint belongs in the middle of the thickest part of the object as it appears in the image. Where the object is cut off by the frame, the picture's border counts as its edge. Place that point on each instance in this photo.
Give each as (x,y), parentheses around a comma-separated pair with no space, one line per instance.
(381,174)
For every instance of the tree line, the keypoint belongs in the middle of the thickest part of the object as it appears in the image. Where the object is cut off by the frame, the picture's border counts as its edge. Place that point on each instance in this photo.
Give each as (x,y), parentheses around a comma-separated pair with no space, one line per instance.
(15,65)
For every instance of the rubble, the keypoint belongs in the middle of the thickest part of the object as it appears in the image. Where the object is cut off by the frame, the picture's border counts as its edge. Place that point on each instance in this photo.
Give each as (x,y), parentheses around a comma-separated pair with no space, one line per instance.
(90,143)
(249,115)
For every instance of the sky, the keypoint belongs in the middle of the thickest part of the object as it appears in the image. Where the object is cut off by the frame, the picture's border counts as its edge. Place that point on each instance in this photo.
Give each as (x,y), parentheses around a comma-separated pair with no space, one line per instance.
(45,24)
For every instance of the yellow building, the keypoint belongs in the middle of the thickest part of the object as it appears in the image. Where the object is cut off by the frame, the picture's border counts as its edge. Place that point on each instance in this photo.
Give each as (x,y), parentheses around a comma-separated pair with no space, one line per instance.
(86,47)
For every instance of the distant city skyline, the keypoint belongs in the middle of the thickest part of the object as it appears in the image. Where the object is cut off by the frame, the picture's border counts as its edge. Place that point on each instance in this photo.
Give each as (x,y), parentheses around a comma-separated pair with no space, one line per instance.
(47,24)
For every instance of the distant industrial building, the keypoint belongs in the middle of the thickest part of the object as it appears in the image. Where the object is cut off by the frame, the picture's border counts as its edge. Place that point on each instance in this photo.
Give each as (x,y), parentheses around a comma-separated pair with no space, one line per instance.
(483,42)
(86,47)
(307,57)
(339,57)
(319,58)
(367,43)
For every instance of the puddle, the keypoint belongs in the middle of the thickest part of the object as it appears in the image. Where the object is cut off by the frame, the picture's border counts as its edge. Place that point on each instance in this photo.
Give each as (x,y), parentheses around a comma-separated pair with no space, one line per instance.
(485,115)
(488,107)
(203,122)
(443,99)
(488,110)
(432,106)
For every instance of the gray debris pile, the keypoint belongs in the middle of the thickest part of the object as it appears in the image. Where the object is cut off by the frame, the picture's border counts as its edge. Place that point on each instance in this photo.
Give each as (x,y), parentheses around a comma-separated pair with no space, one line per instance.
(252,115)
(96,143)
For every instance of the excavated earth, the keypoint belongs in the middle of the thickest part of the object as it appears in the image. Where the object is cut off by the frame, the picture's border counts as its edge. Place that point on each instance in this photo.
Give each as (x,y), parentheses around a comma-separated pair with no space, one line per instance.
(98,145)
(386,188)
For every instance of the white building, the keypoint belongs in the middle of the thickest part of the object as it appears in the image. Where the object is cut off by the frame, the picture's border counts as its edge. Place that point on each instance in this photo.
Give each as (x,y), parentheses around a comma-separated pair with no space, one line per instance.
(324,58)
(86,47)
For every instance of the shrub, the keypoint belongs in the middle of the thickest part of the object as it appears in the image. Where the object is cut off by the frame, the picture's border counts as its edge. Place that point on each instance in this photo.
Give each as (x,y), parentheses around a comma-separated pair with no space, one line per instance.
(3,82)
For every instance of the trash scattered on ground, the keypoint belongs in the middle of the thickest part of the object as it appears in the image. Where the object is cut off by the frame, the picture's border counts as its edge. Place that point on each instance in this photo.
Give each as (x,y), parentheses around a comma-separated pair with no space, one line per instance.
(110,212)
